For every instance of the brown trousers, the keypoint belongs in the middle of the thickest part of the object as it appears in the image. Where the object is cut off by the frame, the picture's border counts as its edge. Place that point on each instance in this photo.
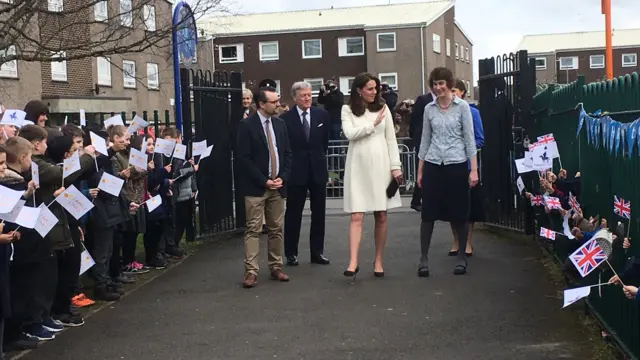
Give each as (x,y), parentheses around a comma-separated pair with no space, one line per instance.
(269,207)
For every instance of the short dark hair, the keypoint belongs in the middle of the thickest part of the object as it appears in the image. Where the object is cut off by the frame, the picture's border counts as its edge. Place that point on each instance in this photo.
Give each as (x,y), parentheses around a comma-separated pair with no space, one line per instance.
(72,130)
(15,147)
(441,73)
(33,133)
(58,147)
(119,130)
(459,84)
(170,132)
(261,95)
(356,103)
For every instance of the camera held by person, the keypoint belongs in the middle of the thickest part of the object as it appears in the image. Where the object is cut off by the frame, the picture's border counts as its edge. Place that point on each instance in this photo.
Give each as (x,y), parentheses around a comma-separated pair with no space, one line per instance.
(330,86)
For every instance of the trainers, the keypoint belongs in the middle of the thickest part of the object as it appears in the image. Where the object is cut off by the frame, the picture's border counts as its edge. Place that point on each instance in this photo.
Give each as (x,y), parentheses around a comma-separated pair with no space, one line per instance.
(158,263)
(70,320)
(105,293)
(23,343)
(81,300)
(52,325)
(133,269)
(175,253)
(37,331)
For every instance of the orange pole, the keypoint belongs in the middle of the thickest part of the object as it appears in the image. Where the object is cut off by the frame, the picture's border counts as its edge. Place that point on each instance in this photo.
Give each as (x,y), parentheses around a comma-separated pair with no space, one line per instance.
(608,55)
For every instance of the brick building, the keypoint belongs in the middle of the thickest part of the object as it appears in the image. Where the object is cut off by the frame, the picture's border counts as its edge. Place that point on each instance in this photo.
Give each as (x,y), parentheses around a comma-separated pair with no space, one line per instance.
(400,43)
(113,83)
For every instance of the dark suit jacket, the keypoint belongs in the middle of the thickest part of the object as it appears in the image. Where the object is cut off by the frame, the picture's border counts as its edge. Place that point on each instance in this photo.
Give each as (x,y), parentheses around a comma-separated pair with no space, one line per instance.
(253,155)
(309,157)
(417,117)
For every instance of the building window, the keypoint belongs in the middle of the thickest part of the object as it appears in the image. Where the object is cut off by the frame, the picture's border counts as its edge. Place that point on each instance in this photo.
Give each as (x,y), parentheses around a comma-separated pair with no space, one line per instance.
(269,51)
(457,52)
(468,89)
(129,74)
(352,46)
(346,82)
(629,60)
(312,49)
(316,84)
(10,68)
(59,68)
(386,41)
(153,77)
(231,53)
(436,44)
(448,47)
(149,15)
(389,78)
(126,18)
(277,86)
(569,63)
(596,61)
(104,71)
(101,11)
(55,5)
(466,54)
(541,63)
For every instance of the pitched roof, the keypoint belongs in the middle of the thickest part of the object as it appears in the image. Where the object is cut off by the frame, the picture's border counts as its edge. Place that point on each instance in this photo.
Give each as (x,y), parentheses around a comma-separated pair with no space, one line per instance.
(380,16)
(548,43)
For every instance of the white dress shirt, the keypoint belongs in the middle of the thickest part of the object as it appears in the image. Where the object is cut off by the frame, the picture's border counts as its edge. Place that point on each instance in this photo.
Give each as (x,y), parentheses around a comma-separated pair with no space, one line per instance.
(263,120)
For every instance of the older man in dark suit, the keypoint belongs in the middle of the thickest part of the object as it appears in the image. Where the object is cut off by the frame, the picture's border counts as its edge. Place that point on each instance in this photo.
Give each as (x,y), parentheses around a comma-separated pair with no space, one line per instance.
(308,129)
(263,159)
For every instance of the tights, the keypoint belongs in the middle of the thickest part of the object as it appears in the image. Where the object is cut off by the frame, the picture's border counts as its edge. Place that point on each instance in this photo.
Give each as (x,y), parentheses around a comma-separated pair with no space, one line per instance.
(426,231)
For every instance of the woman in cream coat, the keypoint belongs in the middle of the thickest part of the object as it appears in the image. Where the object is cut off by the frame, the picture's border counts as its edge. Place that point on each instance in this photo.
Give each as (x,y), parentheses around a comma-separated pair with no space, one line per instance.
(372,162)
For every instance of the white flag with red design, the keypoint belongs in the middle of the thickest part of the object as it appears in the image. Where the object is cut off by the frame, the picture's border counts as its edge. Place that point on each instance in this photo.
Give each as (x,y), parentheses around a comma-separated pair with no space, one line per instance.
(548,234)
(621,207)
(553,203)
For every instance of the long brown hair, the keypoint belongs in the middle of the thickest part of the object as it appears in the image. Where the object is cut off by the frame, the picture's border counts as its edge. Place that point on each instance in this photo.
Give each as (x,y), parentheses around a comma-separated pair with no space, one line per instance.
(356,102)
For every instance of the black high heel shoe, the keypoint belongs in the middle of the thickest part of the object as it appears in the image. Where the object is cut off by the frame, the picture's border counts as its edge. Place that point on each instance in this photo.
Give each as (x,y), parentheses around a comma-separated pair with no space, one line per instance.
(349,273)
(377,273)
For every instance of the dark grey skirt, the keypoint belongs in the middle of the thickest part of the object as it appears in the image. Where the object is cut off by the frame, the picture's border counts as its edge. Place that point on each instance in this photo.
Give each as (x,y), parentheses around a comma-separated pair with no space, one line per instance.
(445,192)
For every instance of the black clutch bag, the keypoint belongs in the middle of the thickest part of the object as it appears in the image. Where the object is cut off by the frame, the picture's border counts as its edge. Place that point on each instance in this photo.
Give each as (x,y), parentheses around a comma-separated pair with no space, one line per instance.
(392,189)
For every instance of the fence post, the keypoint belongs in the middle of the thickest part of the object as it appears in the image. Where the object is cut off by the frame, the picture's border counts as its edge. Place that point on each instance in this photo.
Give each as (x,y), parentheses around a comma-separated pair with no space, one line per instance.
(167,122)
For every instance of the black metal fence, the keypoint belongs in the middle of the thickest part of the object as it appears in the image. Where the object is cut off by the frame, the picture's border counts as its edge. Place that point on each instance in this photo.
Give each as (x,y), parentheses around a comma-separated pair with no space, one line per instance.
(506,85)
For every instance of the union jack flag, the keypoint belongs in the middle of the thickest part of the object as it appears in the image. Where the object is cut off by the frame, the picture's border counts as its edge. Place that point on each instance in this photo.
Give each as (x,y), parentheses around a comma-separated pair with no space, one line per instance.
(621,207)
(533,146)
(575,205)
(546,233)
(588,257)
(545,139)
(537,200)
(553,203)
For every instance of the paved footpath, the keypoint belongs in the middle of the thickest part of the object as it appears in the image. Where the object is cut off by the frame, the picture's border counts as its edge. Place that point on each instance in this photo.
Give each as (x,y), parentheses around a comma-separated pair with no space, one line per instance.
(502,309)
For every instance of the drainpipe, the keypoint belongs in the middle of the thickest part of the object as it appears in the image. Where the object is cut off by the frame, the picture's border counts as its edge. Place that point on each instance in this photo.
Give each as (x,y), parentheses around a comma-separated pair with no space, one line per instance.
(213,58)
(422,28)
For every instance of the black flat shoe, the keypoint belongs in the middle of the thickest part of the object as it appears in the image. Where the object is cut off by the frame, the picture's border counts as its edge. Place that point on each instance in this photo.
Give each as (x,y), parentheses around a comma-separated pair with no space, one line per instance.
(460,269)
(320,259)
(423,271)
(292,261)
(453,253)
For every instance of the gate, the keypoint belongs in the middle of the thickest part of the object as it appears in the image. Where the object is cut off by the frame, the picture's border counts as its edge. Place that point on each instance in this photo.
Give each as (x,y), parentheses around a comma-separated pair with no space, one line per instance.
(507,86)
(212,114)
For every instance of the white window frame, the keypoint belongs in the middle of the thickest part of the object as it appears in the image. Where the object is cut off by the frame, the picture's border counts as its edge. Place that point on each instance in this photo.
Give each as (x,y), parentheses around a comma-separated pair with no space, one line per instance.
(278,88)
(448,47)
(466,54)
(437,43)
(59,68)
(574,64)
(386,49)
(55,5)
(342,46)
(269,57)
(126,14)
(156,84)
(6,1)
(541,67)
(101,11)
(239,54)
(630,64)
(149,17)
(104,79)
(394,74)
(9,69)
(468,89)
(344,84)
(596,66)
(311,81)
(128,83)
(305,56)
(457,51)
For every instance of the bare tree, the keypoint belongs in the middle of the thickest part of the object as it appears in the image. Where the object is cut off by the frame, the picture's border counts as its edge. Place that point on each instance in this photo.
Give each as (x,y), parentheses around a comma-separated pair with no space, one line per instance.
(53,30)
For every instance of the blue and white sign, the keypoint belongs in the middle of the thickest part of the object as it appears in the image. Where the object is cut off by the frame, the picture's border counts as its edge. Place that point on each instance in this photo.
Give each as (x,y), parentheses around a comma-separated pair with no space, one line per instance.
(185,40)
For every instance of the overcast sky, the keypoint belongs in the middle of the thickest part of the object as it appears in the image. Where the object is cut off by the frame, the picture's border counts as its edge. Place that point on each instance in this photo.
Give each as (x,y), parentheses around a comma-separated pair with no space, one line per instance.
(495,26)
